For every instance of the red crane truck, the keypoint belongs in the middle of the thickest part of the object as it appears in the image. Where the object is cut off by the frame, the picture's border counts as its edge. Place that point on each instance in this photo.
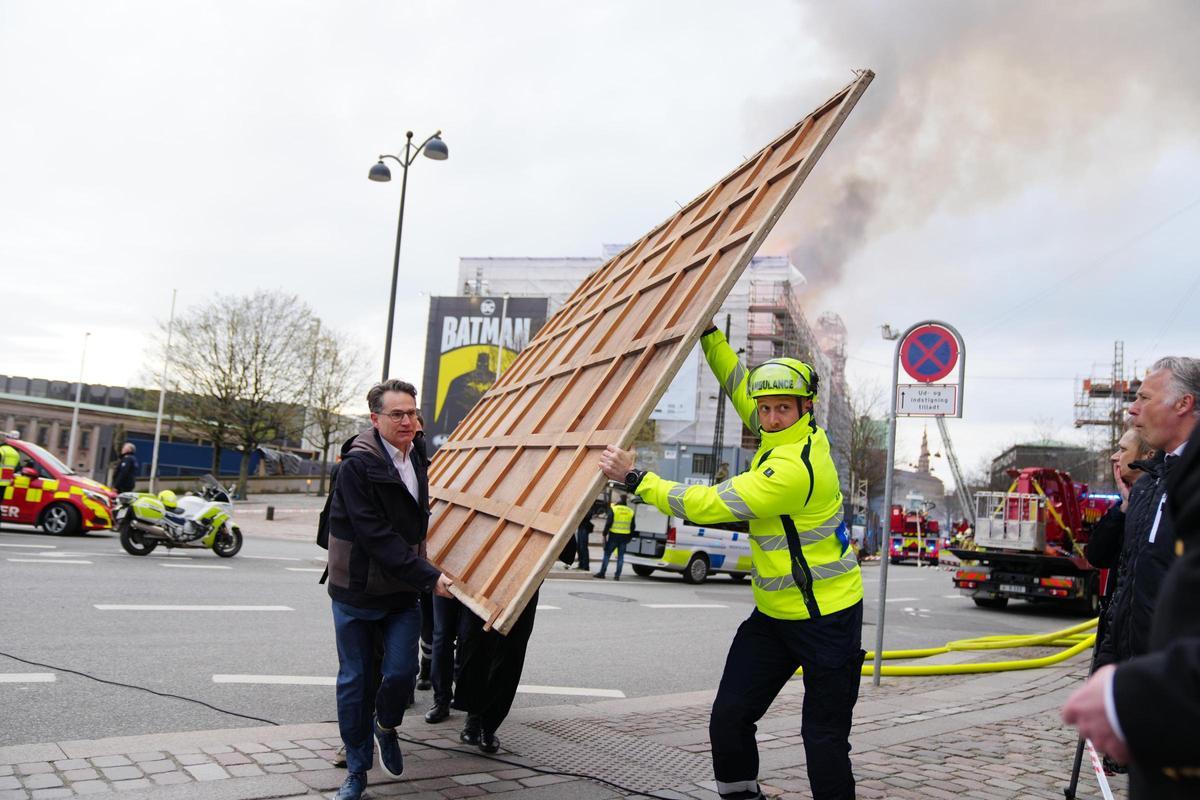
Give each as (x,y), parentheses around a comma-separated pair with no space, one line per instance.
(1029,542)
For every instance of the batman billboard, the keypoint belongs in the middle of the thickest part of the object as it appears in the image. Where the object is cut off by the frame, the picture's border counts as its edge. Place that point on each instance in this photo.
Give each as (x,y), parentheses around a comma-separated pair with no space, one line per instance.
(468,337)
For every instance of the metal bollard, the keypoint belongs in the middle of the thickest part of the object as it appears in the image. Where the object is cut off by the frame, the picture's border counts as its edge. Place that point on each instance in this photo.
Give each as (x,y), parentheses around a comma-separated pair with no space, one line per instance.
(270,512)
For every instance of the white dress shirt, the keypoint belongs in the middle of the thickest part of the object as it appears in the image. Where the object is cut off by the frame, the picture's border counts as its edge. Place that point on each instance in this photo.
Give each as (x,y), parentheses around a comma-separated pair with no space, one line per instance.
(408,475)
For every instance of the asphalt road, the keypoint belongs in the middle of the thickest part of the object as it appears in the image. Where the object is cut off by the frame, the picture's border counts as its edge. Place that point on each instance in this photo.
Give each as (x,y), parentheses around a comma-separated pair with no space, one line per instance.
(593,639)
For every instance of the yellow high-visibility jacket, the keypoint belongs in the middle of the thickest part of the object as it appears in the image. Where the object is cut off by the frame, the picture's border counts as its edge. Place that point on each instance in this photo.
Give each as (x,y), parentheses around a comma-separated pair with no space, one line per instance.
(622,519)
(803,565)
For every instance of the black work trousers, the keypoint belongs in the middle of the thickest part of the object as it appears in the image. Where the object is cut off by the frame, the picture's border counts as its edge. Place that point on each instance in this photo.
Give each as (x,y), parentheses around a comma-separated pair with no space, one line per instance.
(490,666)
(765,653)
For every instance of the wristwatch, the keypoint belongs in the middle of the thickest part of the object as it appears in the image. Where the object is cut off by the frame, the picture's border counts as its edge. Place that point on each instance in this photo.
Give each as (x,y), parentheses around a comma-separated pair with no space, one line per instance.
(633,478)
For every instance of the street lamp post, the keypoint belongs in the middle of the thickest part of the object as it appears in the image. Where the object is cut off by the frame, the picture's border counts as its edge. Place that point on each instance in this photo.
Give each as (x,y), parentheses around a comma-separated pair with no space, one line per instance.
(434,148)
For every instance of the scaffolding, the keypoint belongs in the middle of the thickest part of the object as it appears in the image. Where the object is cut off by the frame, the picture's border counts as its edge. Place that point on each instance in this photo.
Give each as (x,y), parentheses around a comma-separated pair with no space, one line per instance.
(776,327)
(1102,401)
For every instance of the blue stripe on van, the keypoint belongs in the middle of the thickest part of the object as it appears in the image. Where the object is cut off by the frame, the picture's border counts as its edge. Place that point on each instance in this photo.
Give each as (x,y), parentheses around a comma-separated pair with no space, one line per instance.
(717,560)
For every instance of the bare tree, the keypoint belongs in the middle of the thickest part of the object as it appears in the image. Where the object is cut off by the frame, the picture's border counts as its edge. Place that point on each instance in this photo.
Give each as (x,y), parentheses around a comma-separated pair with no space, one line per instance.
(335,379)
(863,448)
(241,363)
(204,365)
(272,362)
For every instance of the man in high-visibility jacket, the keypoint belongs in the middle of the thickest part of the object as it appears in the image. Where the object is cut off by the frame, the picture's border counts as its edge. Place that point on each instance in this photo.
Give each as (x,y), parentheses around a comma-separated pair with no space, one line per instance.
(807,584)
(618,530)
(10,459)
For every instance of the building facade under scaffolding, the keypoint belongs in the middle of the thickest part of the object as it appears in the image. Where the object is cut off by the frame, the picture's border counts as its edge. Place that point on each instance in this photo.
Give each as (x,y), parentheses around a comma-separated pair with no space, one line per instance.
(688,439)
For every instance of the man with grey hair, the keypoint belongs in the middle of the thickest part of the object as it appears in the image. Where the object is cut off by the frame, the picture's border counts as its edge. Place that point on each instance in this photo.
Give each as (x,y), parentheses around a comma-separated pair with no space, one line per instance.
(1165,414)
(378,518)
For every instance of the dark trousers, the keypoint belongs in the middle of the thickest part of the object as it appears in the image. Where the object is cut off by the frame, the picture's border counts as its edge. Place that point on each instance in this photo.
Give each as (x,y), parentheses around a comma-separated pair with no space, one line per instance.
(426,648)
(448,618)
(582,534)
(765,653)
(356,631)
(618,542)
(490,666)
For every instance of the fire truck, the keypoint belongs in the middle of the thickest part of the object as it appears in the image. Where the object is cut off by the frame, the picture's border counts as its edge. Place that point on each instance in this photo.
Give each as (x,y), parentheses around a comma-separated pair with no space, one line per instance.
(1029,542)
(911,532)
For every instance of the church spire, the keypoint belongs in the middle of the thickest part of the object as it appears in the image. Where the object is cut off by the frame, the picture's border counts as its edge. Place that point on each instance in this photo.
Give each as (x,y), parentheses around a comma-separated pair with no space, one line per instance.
(923,461)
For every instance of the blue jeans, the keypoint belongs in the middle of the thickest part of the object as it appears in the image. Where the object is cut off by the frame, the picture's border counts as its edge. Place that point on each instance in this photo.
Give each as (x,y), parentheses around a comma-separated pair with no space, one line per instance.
(618,542)
(355,630)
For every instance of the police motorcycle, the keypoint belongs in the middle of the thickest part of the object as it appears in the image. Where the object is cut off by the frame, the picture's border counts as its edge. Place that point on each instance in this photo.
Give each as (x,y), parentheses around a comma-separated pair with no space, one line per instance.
(196,520)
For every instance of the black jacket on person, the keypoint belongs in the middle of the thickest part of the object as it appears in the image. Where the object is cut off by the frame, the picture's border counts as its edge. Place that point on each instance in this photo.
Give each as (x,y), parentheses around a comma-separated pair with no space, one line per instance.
(1103,548)
(377,529)
(1142,568)
(125,478)
(1157,696)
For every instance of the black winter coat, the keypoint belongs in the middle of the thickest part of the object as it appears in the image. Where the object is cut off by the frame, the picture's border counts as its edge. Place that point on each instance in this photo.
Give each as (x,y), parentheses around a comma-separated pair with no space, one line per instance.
(377,529)
(125,478)
(1143,566)
(1157,697)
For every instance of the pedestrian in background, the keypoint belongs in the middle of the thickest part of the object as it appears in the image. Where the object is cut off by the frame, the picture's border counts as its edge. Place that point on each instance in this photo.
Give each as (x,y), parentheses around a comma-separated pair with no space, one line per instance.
(1164,415)
(618,530)
(807,584)
(377,524)
(125,476)
(1146,711)
(1103,548)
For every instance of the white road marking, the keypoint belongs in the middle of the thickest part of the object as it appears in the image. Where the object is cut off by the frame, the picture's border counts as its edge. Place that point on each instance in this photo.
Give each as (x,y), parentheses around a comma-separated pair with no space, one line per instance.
(682,605)
(277,680)
(548,608)
(115,607)
(274,558)
(27,677)
(569,690)
(167,554)
(36,546)
(304,569)
(956,597)
(64,554)
(902,599)
(196,566)
(45,561)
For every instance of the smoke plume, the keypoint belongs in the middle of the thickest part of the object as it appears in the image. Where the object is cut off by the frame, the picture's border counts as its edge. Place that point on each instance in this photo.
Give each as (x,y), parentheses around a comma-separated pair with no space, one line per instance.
(975,103)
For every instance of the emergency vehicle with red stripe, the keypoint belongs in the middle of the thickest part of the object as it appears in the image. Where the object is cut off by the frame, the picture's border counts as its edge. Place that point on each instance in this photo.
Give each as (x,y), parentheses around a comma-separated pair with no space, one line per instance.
(41,490)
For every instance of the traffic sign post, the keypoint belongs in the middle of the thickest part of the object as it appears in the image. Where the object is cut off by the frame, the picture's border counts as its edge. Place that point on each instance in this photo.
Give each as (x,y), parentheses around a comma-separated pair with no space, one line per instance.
(929,351)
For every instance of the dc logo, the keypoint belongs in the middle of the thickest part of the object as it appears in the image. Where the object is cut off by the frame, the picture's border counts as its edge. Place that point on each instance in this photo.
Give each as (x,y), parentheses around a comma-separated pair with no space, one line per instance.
(488,307)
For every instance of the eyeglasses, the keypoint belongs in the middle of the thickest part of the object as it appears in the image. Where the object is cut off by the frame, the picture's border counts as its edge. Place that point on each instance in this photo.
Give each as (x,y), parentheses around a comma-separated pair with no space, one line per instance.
(396,415)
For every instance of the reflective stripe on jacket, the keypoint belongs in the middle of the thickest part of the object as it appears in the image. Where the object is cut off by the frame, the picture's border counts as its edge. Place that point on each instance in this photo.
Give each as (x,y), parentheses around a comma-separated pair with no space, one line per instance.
(803,565)
(622,519)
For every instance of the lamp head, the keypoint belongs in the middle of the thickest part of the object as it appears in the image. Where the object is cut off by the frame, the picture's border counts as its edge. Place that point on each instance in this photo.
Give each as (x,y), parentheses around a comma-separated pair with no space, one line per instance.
(380,173)
(436,149)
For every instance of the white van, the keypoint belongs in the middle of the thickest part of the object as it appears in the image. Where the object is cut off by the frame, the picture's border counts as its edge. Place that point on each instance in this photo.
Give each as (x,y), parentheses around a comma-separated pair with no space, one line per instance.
(669,543)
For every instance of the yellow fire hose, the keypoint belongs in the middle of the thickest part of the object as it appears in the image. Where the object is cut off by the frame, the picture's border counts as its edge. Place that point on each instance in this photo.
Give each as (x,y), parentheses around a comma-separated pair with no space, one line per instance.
(1073,639)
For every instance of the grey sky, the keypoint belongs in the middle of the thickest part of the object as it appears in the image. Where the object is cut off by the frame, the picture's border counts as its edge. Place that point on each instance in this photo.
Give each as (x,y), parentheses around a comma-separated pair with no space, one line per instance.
(1027,172)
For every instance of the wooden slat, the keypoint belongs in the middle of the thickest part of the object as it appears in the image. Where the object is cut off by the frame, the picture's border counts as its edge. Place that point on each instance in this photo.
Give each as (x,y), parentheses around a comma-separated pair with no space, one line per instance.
(513,481)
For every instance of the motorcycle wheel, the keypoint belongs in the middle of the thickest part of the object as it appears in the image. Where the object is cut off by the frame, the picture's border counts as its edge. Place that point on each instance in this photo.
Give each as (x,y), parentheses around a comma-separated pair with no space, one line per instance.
(133,541)
(228,542)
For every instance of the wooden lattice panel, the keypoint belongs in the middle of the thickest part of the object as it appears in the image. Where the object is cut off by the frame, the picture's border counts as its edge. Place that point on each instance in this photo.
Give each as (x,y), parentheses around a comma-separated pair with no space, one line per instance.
(511,484)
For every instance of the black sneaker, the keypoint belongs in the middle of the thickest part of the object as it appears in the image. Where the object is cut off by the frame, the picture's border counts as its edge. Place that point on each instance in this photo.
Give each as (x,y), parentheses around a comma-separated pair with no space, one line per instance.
(390,757)
(488,742)
(437,713)
(352,787)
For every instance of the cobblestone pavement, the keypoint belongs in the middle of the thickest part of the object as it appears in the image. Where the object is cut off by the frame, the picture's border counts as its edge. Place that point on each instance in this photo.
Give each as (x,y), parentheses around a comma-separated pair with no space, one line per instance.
(986,736)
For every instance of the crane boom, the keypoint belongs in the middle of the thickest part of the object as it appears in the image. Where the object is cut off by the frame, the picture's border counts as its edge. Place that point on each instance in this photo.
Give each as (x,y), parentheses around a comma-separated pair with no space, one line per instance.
(960,486)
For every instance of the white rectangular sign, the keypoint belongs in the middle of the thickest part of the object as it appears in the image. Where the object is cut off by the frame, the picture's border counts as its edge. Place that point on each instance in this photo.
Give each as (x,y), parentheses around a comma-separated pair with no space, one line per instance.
(926,400)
